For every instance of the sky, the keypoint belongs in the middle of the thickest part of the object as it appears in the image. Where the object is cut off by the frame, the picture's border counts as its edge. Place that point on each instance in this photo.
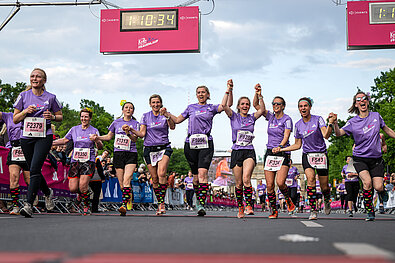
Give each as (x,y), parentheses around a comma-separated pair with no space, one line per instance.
(292,48)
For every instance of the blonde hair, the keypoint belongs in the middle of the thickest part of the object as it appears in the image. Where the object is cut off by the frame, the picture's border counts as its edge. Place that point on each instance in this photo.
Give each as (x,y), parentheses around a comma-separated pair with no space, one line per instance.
(29,87)
(3,129)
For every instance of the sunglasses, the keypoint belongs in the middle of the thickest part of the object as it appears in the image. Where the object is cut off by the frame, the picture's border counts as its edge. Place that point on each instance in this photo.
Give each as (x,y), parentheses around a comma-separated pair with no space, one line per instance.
(276,103)
(361,98)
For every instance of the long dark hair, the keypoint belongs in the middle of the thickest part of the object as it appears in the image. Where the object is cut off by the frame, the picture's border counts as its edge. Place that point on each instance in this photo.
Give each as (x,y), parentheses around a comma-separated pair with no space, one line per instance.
(354,109)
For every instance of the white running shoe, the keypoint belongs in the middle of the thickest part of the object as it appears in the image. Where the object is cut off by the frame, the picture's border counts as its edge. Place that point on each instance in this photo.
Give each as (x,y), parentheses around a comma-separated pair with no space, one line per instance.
(26,210)
(313,215)
(15,210)
(49,202)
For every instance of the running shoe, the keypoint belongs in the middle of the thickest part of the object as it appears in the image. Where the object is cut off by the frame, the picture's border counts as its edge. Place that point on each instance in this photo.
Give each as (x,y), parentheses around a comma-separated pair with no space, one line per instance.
(350,214)
(86,211)
(15,210)
(249,210)
(313,215)
(122,210)
(200,209)
(49,201)
(241,214)
(381,209)
(384,196)
(158,213)
(26,210)
(162,208)
(370,217)
(290,205)
(273,215)
(327,207)
(129,205)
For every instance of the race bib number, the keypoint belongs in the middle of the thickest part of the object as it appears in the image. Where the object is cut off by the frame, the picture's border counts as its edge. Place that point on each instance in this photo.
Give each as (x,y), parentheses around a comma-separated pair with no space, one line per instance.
(81,154)
(34,127)
(155,157)
(244,138)
(318,189)
(317,160)
(273,163)
(17,154)
(122,142)
(289,181)
(190,185)
(351,168)
(260,192)
(198,141)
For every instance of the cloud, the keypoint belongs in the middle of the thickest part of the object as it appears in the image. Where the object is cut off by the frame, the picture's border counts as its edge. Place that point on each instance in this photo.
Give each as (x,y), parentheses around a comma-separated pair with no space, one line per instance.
(369,63)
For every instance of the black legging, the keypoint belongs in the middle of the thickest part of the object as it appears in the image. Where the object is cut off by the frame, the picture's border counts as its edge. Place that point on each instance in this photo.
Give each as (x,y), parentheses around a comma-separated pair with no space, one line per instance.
(343,202)
(292,192)
(189,194)
(36,151)
(96,188)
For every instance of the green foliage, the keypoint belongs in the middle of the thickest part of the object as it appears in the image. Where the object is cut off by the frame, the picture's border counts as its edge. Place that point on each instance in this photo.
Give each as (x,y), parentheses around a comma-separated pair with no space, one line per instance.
(9,94)
(178,162)
(70,119)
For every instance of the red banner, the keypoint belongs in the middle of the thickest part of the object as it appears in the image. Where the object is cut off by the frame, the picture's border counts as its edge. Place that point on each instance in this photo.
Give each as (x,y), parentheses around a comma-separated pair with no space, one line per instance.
(57,180)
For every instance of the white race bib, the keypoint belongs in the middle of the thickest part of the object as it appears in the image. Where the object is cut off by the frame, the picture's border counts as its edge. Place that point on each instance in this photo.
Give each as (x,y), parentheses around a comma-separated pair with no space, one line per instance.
(260,192)
(81,154)
(317,160)
(198,141)
(273,163)
(289,181)
(244,138)
(17,154)
(34,127)
(350,167)
(122,142)
(190,185)
(155,157)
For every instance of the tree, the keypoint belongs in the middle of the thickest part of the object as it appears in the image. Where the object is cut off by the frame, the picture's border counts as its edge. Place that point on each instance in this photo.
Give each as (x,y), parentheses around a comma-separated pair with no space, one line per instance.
(178,163)
(9,94)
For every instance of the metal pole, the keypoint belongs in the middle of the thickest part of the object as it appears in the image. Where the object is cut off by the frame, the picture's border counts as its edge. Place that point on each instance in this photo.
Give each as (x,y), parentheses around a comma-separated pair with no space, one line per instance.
(94,2)
(9,18)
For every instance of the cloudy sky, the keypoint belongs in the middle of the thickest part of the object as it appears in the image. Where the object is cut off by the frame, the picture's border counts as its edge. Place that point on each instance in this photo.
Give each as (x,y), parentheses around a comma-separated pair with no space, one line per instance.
(293,48)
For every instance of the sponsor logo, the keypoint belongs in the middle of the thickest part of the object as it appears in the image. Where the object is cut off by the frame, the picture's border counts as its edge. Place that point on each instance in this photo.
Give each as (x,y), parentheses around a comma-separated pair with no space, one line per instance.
(104,20)
(351,13)
(392,36)
(368,128)
(307,133)
(145,42)
(200,112)
(80,138)
(155,124)
(189,17)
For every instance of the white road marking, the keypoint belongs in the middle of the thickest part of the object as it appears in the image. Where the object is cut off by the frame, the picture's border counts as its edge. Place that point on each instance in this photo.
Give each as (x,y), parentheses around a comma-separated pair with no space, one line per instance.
(297,238)
(363,250)
(311,224)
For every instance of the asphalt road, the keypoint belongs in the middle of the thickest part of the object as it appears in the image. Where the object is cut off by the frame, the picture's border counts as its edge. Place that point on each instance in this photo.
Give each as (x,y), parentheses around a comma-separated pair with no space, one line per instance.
(180,236)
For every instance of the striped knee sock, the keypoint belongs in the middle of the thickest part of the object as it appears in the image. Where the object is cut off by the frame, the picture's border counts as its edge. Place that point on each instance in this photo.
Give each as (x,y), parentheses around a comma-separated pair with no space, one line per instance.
(312,197)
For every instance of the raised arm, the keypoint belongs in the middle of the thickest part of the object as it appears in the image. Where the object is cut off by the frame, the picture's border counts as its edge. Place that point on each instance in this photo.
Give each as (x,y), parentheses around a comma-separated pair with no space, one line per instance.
(170,122)
(327,131)
(226,99)
(296,146)
(261,109)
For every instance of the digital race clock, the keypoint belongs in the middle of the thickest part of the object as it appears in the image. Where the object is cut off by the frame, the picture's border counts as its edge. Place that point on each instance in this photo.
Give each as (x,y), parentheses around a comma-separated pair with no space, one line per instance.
(136,20)
(382,13)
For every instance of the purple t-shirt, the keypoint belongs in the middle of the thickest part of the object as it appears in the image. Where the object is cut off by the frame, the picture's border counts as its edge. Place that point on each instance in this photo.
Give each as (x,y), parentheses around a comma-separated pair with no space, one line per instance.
(14,130)
(46,101)
(349,178)
(276,128)
(188,183)
(311,135)
(341,187)
(261,188)
(240,123)
(292,173)
(318,187)
(157,129)
(366,133)
(80,139)
(116,128)
(200,118)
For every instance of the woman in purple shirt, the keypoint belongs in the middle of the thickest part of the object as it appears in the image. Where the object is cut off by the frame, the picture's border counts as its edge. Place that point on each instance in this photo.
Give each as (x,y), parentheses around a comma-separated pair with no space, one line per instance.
(82,168)
(310,132)
(154,128)
(367,157)
(243,158)
(199,146)
(277,164)
(36,108)
(125,151)
(15,159)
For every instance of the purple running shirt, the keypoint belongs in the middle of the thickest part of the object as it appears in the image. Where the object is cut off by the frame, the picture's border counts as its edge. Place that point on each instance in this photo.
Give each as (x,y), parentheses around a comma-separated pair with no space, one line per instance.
(240,123)
(276,128)
(261,188)
(116,128)
(311,135)
(349,178)
(188,183)
(157,129)
(290,180)
(14,130)
(366,134)
(80,139)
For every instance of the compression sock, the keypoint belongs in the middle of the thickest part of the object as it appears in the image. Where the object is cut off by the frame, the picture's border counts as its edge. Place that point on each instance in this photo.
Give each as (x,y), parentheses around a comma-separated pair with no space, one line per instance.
(368,200)
(126,195)
(272,201)
(248,195)
(203,189)
(239,197)
(327,195)
(163,189)
(285,192)
(312,197)
(85,199)
(157,194)
(15,196)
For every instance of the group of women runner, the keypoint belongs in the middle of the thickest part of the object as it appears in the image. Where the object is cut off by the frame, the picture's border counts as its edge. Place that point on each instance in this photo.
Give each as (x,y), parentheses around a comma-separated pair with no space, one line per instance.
(31,138)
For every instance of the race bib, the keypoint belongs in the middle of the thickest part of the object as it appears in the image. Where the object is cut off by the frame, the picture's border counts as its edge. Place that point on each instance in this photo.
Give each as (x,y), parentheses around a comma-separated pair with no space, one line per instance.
(17,154)
(273,163)
(81,154)
(34,127)
(318,189)
(317,160)
(190,185)
(244,138)
(155,157)
(122,142)
(289,181)
(198,141)
(260,192)
(350,167)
